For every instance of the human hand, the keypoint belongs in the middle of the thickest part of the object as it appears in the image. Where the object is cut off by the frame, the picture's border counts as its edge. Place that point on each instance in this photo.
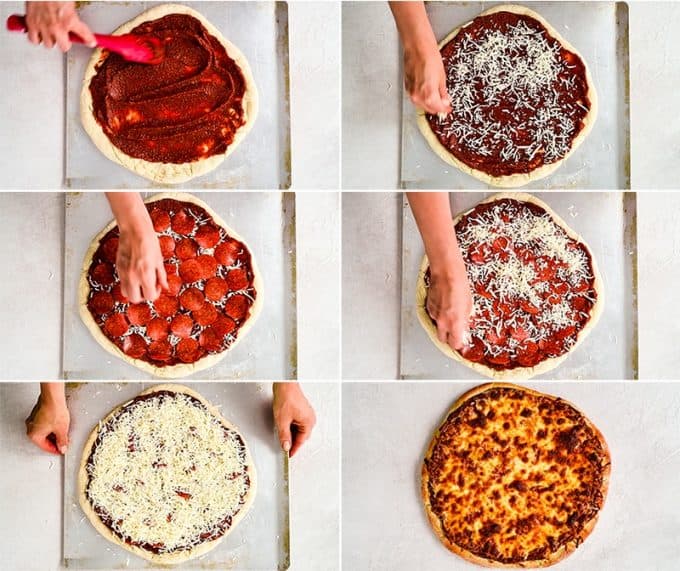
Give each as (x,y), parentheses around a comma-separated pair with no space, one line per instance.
(293,415)
(449,304)
(47,425)
(51,22)
(425,77)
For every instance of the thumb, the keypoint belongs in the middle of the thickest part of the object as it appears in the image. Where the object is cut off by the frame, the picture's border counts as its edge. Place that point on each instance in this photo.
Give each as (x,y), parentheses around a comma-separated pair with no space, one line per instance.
(444,94)
(61,435)
(284,436)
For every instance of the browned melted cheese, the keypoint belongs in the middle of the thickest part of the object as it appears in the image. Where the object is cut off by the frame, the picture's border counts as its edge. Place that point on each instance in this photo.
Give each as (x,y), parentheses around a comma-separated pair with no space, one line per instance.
(515,477)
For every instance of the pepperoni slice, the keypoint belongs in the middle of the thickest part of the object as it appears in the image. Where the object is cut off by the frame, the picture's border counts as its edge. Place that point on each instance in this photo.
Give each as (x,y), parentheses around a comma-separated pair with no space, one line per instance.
(223,326)
(182,223)
(227,252)
(192,299)
(116,325)
(170,269)
(519,334)
(208,266)
(190,270)
(174,284)
(475,352)
(216,289)
(188,350)
(157,328)
(208,236)
(237,279)
(139,313)
(118,294)
(566,332)
(580,303)
(167,246)
(134,346)
(500,243)
(206,315)
(529,307)
(210,340)
(479,289)
(530,348)
(101,302)
(166,306)
(102,273)
(181,325)
(528,360)
(160,219)
(237,307)
(493,337)
(502,359)
(186,249)
(160,350)
(109,249)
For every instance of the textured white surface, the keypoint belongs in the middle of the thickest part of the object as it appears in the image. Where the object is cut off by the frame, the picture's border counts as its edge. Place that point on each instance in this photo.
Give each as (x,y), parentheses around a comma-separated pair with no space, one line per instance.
(389,427)
(32,292)
(372,95)
(32,103)
(32,486)
(371,288)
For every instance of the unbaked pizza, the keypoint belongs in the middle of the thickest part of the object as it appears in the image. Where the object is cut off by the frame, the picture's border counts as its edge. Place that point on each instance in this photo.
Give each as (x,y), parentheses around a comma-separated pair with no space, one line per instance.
(178,119)
(214,295)
(522,98)
(535,287)
(165,476)
(514,477)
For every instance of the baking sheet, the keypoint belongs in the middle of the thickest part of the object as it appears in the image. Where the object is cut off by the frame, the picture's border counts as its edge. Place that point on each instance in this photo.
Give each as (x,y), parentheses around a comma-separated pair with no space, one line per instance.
(599,31)
(261,161)
(606,221)
(388,426)
(261,540)
(266,221)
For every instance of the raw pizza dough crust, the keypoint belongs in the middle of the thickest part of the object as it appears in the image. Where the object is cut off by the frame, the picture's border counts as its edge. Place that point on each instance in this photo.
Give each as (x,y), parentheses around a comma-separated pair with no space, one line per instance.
(518,373)
(168,558)
(517,179)
(436,523)
(180,369)
(170,173)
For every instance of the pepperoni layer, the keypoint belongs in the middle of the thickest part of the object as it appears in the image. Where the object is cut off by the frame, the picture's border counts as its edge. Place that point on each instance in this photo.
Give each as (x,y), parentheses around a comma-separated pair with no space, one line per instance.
(206,303)
(187,108)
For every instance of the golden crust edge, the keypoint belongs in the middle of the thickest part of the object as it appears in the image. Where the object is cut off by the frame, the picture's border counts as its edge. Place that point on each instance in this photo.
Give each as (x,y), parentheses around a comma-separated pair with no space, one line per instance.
(172,558)
(566,550)
(518,179)
(518,373)
(170,173)
(183,369)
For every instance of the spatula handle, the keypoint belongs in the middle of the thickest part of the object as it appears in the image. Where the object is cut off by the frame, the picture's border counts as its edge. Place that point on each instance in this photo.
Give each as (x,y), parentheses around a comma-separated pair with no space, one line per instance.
(17,23)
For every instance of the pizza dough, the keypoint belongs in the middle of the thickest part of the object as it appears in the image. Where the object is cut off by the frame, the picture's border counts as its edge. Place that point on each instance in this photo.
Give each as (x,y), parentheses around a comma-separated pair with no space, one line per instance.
(533,149)
(165,477)
(230,317)
(514,477)
(518,372)
(164,171)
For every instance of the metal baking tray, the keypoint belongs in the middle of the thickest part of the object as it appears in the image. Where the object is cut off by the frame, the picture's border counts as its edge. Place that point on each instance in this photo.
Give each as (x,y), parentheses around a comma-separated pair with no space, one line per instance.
(261,540)
(389,426)
(266,221)
(607,222)
(599,31)
(262,160)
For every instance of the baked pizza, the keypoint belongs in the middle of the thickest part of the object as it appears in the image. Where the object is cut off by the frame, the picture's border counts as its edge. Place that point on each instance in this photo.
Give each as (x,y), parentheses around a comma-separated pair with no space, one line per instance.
(165,476)
(180,118)
(522,98)
(535,287)
(214,295)
(514,477)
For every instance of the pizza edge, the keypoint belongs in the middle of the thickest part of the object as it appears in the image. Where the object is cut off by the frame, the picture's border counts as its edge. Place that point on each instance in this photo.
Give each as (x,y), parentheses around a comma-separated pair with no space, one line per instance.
(181,369)
(564,551)
(181,556)
(518,373)
(517,179)
(157,171)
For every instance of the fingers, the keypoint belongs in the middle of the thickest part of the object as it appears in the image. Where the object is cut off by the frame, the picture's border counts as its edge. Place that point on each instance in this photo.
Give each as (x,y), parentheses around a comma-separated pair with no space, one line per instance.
(150,286)
(162,277)
(444,95)
(81,28)
(34,36)
(62,40)
(299,439)
(285,437)
(61,436)
(41,440)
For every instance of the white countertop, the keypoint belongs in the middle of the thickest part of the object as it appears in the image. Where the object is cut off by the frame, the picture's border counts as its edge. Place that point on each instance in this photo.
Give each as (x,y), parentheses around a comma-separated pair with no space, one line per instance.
(32,103)
(32,289)
(32,487)
(372,284)
(390,426)
(372,95)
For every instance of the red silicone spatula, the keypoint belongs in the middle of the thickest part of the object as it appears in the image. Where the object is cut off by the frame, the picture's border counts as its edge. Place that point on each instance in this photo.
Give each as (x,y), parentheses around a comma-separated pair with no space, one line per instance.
(140,49)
